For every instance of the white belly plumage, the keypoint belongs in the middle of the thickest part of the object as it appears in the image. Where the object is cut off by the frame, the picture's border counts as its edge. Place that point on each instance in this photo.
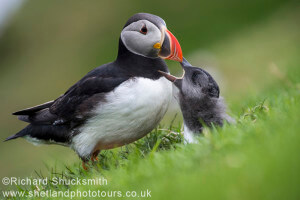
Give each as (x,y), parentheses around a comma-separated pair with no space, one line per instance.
(131,111)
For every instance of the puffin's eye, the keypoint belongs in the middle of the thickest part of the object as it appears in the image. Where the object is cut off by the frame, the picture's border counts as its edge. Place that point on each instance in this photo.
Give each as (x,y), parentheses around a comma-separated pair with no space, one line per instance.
(144,30)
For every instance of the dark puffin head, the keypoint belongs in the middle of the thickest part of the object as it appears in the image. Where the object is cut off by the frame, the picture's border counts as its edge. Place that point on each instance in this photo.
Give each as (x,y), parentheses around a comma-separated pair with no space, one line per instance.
(199,100)
(147,35)
(195,83)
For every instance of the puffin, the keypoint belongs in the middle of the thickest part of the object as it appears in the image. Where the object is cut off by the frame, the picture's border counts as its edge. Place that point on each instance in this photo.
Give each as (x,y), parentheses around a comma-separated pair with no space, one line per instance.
(114,104)
(199,98)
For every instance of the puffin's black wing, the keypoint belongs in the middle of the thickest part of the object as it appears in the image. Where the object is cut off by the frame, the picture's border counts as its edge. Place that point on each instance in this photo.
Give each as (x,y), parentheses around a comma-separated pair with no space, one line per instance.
(34,109)
(38,114)
(77,103)
(55,119)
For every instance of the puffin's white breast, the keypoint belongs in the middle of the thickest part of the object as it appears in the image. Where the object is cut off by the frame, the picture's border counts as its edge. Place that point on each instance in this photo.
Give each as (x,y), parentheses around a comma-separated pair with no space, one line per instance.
(131,111)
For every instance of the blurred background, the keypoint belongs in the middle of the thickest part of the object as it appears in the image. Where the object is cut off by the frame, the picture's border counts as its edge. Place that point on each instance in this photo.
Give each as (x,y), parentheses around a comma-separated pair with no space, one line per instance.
(46,46)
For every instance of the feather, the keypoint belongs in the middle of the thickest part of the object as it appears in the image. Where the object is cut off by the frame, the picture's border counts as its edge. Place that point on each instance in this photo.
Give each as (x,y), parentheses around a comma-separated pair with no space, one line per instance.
(31,110)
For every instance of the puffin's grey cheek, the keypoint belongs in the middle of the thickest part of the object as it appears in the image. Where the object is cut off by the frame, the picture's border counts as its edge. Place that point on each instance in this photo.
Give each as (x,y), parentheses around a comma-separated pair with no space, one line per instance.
(140,44)
(130,40)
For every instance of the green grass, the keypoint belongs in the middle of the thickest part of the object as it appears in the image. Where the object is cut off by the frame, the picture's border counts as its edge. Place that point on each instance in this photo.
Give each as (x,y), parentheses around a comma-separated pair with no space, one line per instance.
(257,158)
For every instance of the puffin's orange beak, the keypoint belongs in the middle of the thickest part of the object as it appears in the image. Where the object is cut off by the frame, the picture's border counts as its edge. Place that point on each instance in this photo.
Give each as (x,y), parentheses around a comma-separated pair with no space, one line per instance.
(170,48)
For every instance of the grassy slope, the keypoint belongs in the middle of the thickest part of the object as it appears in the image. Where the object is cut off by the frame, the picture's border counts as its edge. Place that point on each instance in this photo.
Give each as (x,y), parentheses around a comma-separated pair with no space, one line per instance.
(256,159)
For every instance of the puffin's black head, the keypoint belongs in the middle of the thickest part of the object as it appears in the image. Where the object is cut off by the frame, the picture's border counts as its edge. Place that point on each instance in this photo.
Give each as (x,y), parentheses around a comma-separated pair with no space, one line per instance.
(195,82)
(146,34)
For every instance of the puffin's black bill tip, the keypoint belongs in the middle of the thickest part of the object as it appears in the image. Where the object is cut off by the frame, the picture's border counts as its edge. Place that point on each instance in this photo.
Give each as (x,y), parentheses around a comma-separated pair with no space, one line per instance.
(185,63)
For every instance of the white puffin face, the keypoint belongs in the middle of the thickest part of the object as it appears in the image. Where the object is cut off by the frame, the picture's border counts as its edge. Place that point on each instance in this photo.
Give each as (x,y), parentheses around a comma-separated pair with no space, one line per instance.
(143,38)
